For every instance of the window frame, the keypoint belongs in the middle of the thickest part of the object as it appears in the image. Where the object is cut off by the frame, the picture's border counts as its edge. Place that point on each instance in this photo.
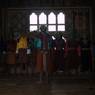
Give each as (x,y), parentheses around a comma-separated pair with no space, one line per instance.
(47,13)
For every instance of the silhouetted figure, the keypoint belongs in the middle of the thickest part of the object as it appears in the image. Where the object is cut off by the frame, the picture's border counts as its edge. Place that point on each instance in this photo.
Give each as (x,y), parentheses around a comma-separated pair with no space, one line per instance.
(86,59)
(59,53)
(11,56)
(72,57)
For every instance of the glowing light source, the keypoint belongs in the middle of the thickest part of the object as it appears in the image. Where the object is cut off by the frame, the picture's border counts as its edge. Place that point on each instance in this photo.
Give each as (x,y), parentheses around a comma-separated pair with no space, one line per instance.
(64,38)
(51,28)
(61,27)
(51,18)
(61,18)
(33,18)
(42,18)
(53,38)
(33,28)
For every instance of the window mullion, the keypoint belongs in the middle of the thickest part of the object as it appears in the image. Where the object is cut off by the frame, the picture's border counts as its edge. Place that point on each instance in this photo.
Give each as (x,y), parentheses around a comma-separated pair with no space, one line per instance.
(47,20)
(56,23)
(38,22)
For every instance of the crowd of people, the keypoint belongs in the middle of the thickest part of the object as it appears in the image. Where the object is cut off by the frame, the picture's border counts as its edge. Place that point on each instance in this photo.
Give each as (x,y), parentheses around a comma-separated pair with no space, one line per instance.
(44,54)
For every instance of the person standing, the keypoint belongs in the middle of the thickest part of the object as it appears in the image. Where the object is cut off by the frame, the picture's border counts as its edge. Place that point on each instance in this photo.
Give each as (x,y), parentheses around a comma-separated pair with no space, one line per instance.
(86,60)
(22,46)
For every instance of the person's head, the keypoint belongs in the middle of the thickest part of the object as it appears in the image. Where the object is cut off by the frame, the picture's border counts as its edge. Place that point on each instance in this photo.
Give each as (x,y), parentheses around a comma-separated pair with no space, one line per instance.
(23,35)
(43,28)
(60,36)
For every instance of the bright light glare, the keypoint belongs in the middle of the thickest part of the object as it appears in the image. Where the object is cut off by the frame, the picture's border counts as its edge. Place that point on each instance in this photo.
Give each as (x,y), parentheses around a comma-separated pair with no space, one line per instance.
(61,18)
(36,20)
(61,27)
(51,28)
(33,28)
(53,38)
(51,18)
(33,18)
(42,18)
(63,38)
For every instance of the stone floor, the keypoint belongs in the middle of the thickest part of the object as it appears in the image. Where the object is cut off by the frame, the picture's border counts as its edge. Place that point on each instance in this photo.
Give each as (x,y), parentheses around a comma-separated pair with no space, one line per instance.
(58,85)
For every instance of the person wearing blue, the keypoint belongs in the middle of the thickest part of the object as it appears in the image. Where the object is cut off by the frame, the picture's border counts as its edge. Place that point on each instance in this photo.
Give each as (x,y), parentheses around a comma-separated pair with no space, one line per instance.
(38,55)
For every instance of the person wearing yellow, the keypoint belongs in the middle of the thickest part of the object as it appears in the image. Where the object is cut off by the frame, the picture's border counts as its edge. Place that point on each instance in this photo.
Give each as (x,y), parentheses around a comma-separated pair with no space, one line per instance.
(22,46)
(22,42)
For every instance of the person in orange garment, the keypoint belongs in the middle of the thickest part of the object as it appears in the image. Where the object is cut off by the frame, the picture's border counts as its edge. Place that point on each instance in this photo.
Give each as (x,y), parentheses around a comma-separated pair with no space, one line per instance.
(11,56)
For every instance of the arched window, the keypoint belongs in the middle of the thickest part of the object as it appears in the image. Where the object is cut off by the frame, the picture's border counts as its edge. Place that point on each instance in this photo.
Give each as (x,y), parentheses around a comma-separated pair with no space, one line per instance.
(33,18)
(51,22)
(42,18)
(51,18)
(33,22)
(54,22)
(61,18)
(61,22)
